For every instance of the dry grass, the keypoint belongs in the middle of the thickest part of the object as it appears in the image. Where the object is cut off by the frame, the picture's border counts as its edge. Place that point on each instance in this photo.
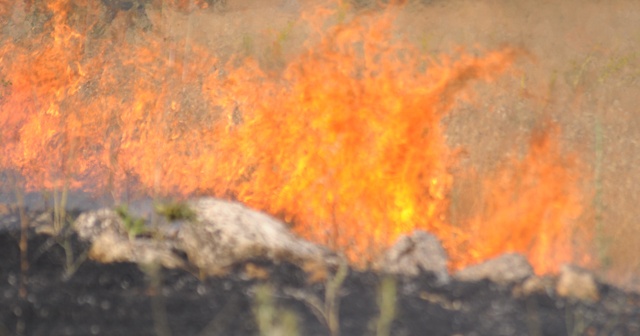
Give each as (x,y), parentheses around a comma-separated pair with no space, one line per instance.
(583,65)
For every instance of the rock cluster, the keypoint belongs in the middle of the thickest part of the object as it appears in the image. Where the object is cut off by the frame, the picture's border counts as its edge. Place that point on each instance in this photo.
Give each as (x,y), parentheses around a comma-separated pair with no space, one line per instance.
(222,233)
(422,252)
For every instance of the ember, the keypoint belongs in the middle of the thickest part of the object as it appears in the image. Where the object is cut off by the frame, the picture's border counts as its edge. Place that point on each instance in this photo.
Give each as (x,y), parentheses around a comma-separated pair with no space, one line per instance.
(343,139)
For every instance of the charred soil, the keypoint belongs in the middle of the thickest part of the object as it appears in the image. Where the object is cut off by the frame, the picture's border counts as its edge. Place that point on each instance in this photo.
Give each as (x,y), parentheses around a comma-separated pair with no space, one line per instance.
(123,299)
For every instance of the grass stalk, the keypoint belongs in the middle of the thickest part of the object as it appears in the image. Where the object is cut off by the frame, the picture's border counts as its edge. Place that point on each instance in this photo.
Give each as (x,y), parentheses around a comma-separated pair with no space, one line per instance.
(387,295)
(332,301)
(60,198)
(60,226)
(271,320)
(61,232)
(23,244)
(158,306)
(327,311)
(598,202)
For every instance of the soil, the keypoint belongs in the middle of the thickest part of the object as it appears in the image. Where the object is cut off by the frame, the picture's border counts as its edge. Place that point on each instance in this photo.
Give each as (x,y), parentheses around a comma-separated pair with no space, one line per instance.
(124,299)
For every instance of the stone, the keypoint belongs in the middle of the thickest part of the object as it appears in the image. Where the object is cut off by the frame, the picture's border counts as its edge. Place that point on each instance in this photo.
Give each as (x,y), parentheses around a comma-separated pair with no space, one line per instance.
(109,241)
(506,269)
(578,284)
(225,233)
(111,248)
(91,224)
(543,285)
(415,253)
(222,234)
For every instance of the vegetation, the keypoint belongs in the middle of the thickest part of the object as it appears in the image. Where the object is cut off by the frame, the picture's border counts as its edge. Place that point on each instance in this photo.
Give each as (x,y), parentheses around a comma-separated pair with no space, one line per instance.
(60,230)
(174,211)
(134,226)
(326,311)
(272,320)
(387,296)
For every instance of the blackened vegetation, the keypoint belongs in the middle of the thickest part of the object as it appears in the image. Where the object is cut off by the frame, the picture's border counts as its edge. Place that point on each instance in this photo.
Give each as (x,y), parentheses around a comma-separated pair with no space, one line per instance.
(117,299)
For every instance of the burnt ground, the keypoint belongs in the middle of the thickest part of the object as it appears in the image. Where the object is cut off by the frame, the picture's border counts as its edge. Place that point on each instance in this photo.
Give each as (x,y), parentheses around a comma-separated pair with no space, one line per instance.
(122,299)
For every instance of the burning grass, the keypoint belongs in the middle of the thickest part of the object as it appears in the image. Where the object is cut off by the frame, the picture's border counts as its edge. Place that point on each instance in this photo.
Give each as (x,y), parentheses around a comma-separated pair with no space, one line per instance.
(344,139)
(532,205)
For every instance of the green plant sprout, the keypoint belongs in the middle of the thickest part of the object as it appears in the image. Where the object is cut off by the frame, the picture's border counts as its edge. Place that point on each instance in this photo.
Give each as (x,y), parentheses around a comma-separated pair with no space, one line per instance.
(174,211)
(134,226)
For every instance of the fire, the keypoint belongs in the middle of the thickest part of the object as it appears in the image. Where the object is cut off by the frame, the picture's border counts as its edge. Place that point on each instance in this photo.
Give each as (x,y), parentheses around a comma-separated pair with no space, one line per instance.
(344,141)
(531,207)
(347,142)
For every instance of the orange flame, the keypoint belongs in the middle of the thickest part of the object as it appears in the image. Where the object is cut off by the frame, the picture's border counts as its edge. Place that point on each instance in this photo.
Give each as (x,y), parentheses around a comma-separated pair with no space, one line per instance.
(345,142)
(532,206)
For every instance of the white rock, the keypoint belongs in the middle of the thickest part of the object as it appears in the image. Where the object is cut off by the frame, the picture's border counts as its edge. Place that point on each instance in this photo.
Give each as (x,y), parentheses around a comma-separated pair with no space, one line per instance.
(222,234)
(420,251)
(227,232)
(90,225)
(109,248)
(535,285)
(505,269)
(578,284)
(104,230)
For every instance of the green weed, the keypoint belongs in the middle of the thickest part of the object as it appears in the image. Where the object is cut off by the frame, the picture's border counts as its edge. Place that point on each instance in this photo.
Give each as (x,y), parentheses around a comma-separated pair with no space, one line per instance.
(174,211)
(134,226)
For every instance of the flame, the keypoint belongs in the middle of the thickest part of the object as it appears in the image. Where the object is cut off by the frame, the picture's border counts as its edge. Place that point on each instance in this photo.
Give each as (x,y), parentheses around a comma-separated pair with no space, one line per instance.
(532,206)
(347,142)
(344,141)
